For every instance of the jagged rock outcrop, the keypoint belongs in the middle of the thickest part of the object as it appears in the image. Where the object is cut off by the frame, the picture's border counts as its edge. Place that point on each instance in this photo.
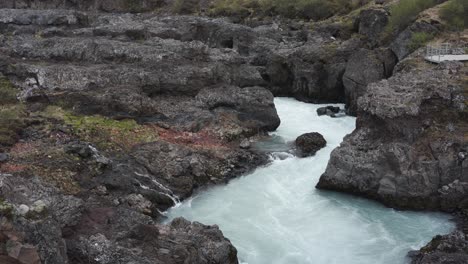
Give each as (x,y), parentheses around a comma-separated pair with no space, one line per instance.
(73,59)
(409,150)
(402,44)
(409,146)
(365,67)
(88,230)
(451,248)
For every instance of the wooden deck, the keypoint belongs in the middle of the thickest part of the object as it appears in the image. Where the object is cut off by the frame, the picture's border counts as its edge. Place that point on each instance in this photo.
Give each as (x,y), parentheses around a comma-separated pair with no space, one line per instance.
(440,58)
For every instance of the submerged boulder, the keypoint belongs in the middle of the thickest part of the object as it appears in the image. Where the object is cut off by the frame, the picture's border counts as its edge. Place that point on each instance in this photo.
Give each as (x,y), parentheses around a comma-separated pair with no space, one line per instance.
(308,144)
(328,110)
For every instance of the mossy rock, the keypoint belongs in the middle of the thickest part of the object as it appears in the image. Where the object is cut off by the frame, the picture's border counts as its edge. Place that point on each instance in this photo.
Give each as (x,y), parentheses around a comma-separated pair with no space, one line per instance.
(6,209)
(106,133)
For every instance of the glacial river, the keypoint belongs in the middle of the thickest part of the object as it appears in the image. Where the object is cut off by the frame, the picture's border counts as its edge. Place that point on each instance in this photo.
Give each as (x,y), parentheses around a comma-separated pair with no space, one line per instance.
(276,216)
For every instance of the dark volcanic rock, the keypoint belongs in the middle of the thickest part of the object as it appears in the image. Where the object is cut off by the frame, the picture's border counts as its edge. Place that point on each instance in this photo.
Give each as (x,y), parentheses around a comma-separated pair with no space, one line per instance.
(163,172)
(409,151)
(328,110)
(89,230)
(372,22)
(253,107)
(406,149)
(401,46)
(308,144)
(365,67)
(452,248)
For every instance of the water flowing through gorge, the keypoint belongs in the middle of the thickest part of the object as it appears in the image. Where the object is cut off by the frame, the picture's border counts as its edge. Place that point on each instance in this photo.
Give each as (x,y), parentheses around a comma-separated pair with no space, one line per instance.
(275,215)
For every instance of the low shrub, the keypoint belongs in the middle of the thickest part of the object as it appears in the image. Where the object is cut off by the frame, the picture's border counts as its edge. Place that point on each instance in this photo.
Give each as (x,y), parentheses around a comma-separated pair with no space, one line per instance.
(405,12)
(455,14)
(419,39)
(186,6)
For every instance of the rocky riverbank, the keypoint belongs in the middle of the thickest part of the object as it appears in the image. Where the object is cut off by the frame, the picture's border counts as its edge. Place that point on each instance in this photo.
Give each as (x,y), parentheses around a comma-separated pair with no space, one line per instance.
(109,118)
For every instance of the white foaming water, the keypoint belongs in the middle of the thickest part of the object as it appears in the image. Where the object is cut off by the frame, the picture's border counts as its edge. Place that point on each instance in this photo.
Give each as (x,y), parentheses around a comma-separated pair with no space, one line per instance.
(275,214)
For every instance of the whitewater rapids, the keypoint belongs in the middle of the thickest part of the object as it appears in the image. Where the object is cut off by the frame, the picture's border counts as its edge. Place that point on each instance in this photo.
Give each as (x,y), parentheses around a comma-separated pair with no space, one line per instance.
(276,216)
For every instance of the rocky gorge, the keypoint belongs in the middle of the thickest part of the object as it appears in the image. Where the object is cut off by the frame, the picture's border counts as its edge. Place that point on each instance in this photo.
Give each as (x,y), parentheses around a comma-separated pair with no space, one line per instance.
(113,113)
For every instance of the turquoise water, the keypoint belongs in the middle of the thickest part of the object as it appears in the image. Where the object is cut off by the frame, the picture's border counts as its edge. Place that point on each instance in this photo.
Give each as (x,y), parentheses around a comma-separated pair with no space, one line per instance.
(275,214)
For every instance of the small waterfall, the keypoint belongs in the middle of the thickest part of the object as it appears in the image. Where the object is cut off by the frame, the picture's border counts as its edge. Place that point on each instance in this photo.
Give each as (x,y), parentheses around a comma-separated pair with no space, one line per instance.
(164,190)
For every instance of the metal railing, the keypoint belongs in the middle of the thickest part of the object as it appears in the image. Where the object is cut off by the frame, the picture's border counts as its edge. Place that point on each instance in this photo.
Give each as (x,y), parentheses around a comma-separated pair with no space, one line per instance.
(436,52)
(443,49)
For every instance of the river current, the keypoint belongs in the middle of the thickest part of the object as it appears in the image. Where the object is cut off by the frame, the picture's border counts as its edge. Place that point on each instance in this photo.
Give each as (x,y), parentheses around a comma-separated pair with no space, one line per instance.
(275,215)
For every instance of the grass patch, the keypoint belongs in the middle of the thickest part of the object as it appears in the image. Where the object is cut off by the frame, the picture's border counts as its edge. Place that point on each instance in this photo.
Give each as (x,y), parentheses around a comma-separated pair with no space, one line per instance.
(186,6)
(455,14)
(11,123)
(405,12)
(104,132)
(302,9)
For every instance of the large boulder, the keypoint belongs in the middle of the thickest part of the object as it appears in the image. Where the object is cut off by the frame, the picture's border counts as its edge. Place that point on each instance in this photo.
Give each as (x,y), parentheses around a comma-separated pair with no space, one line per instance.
(408,150)
(308,144)
(251,108)
(365,67)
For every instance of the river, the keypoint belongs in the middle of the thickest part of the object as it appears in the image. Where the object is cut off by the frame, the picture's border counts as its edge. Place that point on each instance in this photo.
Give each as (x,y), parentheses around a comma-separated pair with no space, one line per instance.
(276,216)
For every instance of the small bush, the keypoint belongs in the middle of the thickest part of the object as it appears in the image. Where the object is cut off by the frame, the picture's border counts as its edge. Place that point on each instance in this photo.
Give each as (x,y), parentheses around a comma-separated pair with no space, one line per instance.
(11,123)
(455,14)
(186,6)
(405,12)
(419,39)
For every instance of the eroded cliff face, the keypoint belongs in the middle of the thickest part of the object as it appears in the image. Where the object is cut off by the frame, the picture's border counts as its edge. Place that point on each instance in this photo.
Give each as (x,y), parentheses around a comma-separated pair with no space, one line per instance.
(410,147)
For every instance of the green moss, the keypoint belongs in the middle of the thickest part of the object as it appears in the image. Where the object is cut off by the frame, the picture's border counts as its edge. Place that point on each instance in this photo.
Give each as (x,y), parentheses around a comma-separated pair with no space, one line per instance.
(6,209)
(106,133)
(330,50)
(455,14)
(234,8)
(404,12)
